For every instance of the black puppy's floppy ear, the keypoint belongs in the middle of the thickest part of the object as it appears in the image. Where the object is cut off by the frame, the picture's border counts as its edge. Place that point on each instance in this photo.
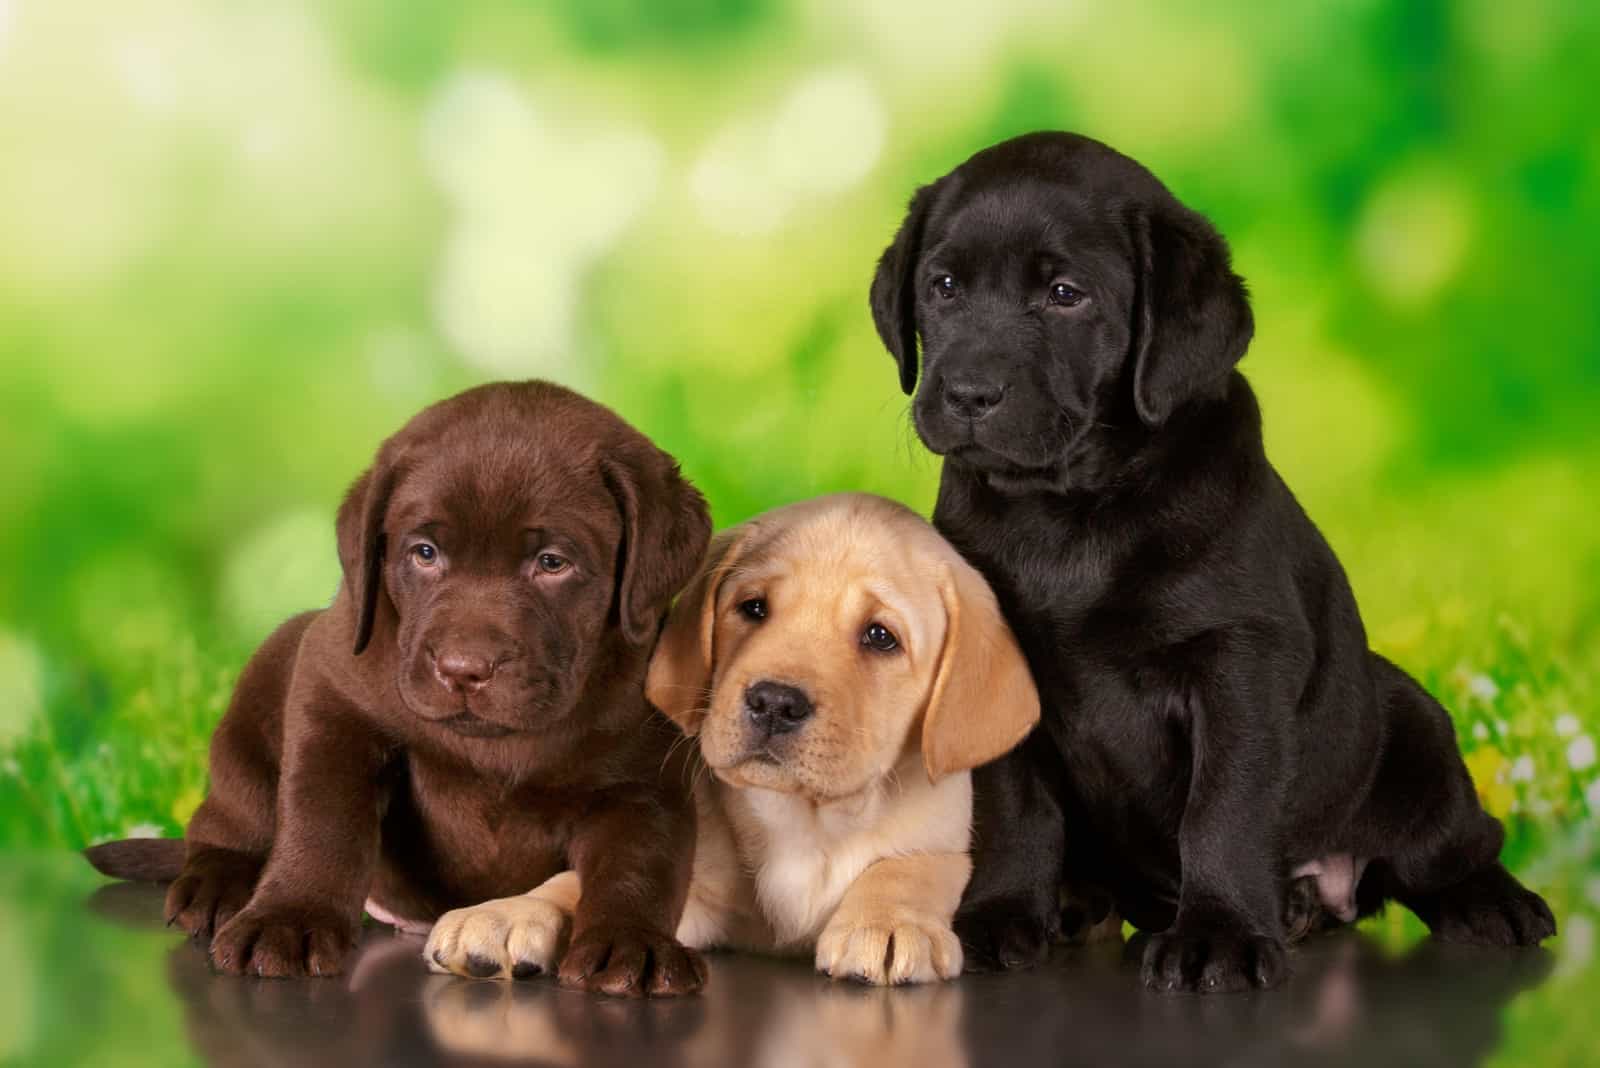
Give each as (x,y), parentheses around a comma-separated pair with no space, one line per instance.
(894,293)
(665,528)
(1192,319)
(361,540)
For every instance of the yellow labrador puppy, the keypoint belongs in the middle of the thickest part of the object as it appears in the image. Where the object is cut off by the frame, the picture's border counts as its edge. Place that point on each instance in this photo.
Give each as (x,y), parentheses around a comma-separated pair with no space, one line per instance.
(843,669)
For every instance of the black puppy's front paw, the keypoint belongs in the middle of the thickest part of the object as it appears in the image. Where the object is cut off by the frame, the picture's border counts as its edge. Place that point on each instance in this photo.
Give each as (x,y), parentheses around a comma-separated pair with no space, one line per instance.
(1212,962)
(1003,934)
(1488,908)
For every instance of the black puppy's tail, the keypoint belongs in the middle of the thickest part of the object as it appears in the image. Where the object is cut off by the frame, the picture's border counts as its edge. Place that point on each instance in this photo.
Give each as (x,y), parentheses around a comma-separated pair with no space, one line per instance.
(145,860)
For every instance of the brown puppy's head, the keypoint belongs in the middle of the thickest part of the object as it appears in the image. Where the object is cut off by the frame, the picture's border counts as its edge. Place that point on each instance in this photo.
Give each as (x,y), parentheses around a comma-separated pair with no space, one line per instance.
(823,640)
(1067,306)
(505,544)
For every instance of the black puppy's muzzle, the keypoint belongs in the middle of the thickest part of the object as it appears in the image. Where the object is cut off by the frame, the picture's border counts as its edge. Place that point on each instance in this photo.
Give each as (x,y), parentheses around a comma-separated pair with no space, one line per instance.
(970,398)
(775,708)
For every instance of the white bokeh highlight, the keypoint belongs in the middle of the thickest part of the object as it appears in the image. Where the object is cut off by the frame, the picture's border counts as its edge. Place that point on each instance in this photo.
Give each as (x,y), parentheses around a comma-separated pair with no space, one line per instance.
(536,199)
(824,136)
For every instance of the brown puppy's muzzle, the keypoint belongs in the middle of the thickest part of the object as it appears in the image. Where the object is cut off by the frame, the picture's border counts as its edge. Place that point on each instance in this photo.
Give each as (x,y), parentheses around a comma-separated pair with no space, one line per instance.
(773,709)
(464,670)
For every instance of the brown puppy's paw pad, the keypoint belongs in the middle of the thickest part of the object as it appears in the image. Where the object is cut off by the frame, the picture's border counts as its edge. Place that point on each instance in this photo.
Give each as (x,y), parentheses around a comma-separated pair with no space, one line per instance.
(632,962)
(511,938)
(283,943)
(893,947)
(1212,962)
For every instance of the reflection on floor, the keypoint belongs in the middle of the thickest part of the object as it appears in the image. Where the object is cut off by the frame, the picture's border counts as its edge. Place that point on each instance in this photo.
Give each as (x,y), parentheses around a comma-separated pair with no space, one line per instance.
(1348,1002)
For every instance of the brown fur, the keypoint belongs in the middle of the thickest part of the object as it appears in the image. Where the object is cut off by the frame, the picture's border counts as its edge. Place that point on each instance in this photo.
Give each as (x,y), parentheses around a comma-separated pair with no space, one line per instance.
(462,727)
(845,836)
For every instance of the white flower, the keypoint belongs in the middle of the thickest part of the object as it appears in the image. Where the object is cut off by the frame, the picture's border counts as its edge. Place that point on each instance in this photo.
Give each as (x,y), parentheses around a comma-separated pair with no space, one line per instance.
(1591,890)
(1480,731)
(1500,727)
(1483,687)
(1592,795)
(1580,753)
(146,830)
(1522,769)
(1567,725)
(12,768)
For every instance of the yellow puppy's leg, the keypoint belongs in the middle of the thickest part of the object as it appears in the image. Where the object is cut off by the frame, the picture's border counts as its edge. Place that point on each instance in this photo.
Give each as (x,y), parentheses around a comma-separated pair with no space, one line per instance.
(893,924)
(510,938)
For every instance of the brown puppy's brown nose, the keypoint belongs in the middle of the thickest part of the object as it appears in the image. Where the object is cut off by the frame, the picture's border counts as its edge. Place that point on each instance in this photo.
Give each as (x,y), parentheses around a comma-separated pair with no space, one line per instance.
(972,398)
(463,672)
(776,708)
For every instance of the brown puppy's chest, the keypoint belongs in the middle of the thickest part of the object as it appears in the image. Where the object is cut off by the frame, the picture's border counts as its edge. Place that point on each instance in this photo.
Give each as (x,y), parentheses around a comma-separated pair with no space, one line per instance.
(452,839)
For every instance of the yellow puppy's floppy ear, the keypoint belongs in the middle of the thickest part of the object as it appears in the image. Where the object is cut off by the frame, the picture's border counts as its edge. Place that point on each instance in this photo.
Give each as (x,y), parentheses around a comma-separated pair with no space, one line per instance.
(679,682)
(983,700)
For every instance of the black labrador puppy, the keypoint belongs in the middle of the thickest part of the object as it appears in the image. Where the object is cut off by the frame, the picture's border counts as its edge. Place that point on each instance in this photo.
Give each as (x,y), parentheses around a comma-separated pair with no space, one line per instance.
(1216,733)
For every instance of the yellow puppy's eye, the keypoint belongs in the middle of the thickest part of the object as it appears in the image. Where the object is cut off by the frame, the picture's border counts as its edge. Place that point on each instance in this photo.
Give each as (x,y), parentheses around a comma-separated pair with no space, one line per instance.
(755,609)
(879,637)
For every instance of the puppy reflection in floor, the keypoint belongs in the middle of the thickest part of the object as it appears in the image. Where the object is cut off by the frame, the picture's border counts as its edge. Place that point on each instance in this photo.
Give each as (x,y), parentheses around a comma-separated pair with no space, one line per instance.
(842,669)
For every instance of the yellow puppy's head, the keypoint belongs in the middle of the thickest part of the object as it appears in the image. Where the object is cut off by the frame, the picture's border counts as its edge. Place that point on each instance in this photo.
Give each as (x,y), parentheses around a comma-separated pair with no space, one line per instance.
(821,641)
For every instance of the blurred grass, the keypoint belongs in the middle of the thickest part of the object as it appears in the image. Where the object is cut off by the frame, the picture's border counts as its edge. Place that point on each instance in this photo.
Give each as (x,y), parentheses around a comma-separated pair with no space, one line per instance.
(242,242)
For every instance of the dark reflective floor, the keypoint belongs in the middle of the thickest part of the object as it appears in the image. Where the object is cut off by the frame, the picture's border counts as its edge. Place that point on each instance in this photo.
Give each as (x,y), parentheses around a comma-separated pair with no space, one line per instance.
(1349,1003)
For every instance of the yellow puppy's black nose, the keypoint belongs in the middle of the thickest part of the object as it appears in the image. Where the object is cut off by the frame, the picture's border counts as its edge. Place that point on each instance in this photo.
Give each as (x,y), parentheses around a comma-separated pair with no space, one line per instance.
(775,707)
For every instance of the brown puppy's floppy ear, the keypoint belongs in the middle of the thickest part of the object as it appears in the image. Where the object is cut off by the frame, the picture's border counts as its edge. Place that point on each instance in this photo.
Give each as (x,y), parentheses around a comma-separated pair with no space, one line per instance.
(894,289)
(361,540)
(1192,320)
(679,681)
(983,700)
(665,527)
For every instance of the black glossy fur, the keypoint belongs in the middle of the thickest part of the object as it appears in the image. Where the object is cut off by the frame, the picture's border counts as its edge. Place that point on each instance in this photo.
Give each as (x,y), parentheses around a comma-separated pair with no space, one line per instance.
(1213,717)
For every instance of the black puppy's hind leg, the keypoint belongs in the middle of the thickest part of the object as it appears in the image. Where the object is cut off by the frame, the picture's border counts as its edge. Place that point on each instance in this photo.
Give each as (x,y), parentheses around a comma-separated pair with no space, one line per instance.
(1447,868)
(1011,910)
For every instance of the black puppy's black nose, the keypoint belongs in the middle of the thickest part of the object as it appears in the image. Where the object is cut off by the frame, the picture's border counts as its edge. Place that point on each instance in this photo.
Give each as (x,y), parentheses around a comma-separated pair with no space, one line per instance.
(971,398)
(776,708)
(461,671)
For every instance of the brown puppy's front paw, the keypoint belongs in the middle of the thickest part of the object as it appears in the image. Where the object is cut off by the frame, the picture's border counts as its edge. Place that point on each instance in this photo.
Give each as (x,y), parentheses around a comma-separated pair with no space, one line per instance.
(1489,908)
(1212,962)
(890,948)
(512,938)
(632,962)
(212,888)
(278,942)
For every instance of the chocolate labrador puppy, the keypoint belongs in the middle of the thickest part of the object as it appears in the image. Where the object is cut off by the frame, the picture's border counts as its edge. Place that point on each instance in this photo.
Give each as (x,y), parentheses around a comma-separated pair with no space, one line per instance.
(1215,728)
(468,717)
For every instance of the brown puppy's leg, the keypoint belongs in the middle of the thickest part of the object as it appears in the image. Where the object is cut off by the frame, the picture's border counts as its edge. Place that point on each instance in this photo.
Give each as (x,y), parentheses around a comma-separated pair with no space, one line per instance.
(303,917)
(633,859)
(230,833)
(893,924)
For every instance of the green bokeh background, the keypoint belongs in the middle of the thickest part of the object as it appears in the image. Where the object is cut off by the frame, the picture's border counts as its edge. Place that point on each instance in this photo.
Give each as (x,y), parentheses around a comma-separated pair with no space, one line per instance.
(242,240)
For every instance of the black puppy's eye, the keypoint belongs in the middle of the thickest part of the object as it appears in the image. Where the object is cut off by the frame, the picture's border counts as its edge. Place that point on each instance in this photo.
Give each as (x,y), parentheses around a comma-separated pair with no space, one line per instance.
(424,555)
(945,286)
(879,637)
(1065,295)
(755,609)
(552,563)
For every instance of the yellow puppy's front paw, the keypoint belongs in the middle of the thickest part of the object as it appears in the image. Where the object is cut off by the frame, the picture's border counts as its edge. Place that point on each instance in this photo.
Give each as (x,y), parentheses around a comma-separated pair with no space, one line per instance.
(898,945)
(512,938)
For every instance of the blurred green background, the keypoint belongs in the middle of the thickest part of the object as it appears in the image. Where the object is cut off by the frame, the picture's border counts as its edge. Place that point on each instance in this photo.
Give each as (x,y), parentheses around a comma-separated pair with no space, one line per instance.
(243,240)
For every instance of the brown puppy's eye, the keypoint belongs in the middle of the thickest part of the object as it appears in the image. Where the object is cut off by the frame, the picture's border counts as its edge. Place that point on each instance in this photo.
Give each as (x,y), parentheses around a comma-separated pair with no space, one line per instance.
(945,286)
(755,609)
(879,637)
(424,555)
(552,563)
(1065,295)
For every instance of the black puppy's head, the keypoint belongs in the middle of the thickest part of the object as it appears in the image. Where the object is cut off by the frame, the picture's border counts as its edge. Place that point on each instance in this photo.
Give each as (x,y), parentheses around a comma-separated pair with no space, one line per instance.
(1061,294)
(507,546)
